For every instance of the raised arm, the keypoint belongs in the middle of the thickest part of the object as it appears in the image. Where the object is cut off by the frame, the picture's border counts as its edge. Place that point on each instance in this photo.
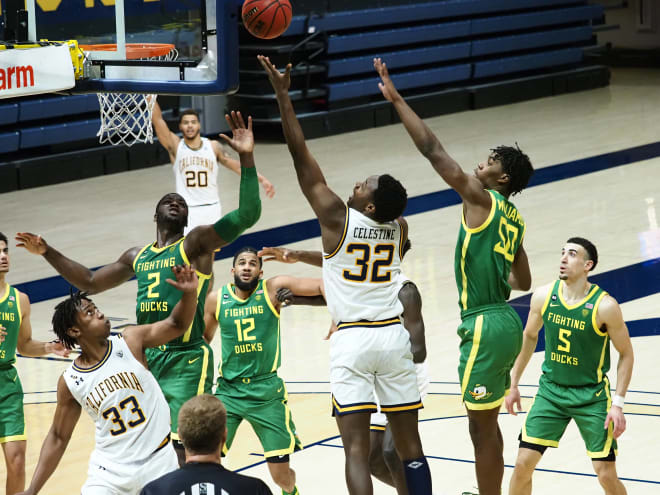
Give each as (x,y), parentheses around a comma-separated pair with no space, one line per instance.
(166,137)
(468,186)
(235,166)
(328,207)
(25,344)
(413,321)
(152,335)
(286,255)
(520,277)
(205,239)
(609,315)
(67,413)
(530,338)
(76,274)
(210,320)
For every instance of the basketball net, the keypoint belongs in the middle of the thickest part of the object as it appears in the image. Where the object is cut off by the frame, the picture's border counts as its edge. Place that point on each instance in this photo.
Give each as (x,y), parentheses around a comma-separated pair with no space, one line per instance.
(126,117)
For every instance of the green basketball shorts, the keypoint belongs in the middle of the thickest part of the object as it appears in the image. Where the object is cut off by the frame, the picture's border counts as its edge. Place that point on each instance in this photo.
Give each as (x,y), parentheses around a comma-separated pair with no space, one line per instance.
(182,373)
(12,422)
(555,405)
(491,338)
(263,402)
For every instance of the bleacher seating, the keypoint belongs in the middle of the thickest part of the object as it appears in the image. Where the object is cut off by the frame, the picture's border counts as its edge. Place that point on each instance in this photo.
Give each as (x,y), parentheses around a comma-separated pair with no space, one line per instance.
(444,55)
(428,47)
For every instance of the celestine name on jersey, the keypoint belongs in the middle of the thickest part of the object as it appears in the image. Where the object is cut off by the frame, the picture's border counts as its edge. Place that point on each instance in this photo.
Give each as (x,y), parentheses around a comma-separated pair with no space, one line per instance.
(121,380)
(147,266)
(196,161)
(509,211)
(7,316)
(243,311)
(566,321)
(376,234)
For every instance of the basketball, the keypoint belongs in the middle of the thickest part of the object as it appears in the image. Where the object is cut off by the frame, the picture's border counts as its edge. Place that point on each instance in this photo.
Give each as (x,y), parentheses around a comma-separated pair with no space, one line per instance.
(266,19)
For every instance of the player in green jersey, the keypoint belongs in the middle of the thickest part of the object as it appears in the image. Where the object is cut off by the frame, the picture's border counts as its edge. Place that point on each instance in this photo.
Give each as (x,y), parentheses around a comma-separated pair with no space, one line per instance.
(490,261)
(248,313)
(580,319)
(15,334)
(183,367)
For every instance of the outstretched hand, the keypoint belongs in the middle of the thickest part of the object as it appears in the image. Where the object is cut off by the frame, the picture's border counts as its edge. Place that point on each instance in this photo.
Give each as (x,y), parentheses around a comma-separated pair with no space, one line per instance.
(283,255)
(57,348)
(186,278)
(33,243)
(242,140)
(280,81)
(386,85)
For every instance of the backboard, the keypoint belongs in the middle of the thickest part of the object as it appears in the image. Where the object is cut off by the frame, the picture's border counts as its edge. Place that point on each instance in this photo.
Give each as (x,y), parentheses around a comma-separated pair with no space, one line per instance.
(204,34)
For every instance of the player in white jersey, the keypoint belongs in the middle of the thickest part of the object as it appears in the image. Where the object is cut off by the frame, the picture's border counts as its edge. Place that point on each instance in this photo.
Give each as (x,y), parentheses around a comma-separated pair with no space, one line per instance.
(362,241)
(384,461)
(195,162)
(111,382)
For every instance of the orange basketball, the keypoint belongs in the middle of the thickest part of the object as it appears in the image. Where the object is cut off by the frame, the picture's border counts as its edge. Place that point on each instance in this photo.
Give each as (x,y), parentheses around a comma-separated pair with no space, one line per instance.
(266,19)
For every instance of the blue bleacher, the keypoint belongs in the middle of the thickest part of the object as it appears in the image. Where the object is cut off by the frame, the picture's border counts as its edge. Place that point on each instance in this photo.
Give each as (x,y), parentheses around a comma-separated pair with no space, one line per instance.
(413,79)
(9,141)
(78,130)
(57,106)
(8,112)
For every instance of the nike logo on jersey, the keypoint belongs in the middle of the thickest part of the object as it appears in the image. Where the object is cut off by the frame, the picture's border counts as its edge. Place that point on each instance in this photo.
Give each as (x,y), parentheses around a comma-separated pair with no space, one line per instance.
(191,361)
(552,305)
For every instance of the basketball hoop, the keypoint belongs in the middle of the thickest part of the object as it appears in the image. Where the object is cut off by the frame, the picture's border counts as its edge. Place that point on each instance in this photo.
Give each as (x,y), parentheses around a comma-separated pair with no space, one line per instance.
(126,117)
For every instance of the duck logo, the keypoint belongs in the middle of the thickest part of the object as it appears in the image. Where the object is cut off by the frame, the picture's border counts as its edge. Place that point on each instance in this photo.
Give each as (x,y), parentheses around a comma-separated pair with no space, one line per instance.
(480,392)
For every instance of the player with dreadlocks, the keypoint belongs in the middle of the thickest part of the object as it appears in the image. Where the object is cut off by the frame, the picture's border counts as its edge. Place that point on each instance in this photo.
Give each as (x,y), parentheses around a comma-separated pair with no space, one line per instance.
(489,261)
(111,382)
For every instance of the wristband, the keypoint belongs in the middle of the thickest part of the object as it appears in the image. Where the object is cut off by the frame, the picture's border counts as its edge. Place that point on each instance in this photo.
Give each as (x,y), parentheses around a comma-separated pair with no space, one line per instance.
(618,400)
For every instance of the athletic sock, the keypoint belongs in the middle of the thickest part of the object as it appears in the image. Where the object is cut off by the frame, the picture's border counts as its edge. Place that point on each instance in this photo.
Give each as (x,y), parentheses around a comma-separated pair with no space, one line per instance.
(418,476)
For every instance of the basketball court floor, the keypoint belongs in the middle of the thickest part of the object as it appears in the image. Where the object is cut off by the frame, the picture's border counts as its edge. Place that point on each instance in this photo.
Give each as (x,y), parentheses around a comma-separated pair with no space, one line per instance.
(615,129)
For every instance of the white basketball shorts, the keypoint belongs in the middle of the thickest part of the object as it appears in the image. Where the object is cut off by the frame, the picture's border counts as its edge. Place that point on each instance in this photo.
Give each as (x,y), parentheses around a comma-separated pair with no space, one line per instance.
(203,215)
(364,360)
(111,478)
(378,420)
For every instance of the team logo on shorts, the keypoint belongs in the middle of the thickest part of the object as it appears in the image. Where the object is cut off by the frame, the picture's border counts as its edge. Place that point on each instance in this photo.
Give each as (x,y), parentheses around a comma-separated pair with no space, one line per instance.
(480,392)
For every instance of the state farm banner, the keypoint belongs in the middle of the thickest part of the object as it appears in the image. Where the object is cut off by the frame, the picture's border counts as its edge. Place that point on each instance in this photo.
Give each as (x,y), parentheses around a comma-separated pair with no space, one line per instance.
(29,71)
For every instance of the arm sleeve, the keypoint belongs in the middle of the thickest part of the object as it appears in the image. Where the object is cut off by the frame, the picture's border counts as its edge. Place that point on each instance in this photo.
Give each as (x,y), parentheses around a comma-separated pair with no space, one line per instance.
(234,223)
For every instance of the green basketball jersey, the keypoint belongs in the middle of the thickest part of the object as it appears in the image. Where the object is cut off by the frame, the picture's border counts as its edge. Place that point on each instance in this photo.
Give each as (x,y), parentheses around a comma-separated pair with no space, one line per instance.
(156,298)
(577,352)
(10,318)
(484,255)
(250,332)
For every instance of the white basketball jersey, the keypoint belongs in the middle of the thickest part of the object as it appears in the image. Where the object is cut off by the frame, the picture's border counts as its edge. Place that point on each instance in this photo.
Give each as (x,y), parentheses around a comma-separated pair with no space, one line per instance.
(196,173)
(124,400)
(361,275)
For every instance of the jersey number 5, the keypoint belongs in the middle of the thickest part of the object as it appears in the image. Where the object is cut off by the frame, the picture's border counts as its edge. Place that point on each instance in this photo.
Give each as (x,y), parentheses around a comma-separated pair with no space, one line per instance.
(508,237)
(364,256)
(117,419)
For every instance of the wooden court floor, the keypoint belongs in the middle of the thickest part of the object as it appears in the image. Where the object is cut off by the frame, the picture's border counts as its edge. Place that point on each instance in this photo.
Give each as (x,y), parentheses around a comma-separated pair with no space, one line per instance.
(94,220)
